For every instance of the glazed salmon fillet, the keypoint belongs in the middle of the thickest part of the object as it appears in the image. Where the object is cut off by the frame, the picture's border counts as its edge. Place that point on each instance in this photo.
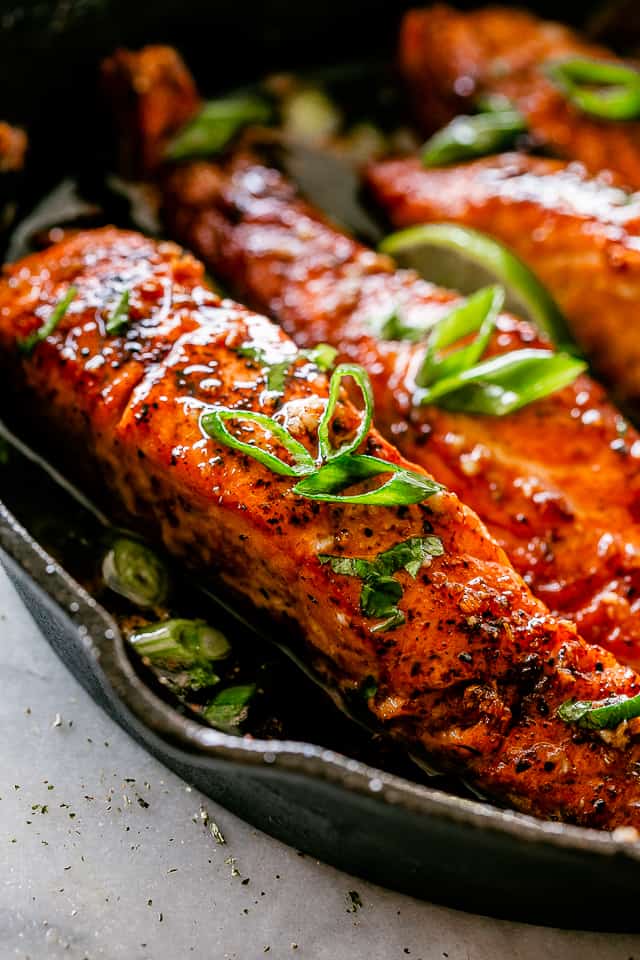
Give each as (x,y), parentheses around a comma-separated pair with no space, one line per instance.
(477,670)
(579,234)
(557,483)
(13,146)
(449,59)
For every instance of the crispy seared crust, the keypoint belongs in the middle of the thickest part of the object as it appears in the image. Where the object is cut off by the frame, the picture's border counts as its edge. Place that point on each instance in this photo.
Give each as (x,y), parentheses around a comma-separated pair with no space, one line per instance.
(448,58)
(579,234)
(477,671)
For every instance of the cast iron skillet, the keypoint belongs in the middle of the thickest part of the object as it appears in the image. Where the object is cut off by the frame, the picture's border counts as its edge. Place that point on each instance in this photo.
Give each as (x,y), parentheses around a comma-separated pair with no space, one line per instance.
(407,835)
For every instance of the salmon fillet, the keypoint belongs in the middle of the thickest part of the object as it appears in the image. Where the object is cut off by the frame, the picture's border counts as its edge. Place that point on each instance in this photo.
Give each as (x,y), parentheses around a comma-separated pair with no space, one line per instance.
(557,482)
(477,670)
(13,147)
(449,58)
(579,234)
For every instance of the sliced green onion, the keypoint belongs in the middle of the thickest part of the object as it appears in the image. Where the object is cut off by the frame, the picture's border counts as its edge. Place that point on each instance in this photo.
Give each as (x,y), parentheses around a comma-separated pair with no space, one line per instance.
(184,642)
(188,646)
(610,91)
(338,468)
(327,451)
(120,316)
(212,423)
(323,355)
(229,707)
(478,314)
(215,125)
(474,136)
(600,714)
(403,487)
(26,346)
(134,571)
(505,383)
(495,260)
(493,103)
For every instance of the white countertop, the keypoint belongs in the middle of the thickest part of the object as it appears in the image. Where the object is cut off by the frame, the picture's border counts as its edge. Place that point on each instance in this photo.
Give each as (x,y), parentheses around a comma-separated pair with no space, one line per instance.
(90,871)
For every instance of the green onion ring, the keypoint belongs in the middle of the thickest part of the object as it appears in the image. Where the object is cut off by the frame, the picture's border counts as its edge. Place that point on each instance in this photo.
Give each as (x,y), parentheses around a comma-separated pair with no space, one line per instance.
(327,452)
(212,422)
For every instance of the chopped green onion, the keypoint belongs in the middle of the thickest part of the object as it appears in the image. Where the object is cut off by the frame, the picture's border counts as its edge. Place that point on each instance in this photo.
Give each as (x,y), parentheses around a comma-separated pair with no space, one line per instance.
(474,136)
(309,115)
(120,316)
(215,125)
(504,383)
(184,642)
(600,714)
(477,314)
(495,259)
(184,645)
(403,487)
(380,592)
(338,468)
(323,355)
(327,451)
(26,346)
(493,103)
(131,569)
(276,370)
(610,91)
(212,423)
(229,707)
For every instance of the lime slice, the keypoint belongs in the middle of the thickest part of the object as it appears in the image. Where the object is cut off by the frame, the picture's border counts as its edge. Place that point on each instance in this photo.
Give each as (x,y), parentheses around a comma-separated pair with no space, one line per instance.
(465,259)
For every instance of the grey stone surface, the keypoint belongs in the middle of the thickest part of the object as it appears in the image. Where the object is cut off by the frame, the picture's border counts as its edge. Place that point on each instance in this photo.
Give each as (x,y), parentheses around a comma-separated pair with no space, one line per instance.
(104,855)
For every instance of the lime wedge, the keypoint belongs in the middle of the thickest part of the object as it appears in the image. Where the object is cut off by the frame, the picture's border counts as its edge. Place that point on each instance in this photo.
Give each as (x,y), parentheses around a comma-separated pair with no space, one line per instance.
(465,260)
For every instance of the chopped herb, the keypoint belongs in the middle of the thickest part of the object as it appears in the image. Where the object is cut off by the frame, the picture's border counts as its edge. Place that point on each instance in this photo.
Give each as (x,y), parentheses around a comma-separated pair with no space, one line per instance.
(229,707)
(600,714)
(120,316)
(26,346)
(133,570)
(215,125)
(380,592)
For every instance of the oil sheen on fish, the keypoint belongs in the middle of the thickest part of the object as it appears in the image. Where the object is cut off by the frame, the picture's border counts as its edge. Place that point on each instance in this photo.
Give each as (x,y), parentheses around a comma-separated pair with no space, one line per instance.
(478,669)
(449,59)
(580,235)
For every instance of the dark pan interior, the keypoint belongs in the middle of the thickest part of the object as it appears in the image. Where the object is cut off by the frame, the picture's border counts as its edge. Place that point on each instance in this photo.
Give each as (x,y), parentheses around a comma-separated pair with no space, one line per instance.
(414,836)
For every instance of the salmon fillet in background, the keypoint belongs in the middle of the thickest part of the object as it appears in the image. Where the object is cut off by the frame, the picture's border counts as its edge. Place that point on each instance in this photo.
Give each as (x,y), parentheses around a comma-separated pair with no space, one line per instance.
(579,234)
(449,58)
(557,482)
(476,672)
